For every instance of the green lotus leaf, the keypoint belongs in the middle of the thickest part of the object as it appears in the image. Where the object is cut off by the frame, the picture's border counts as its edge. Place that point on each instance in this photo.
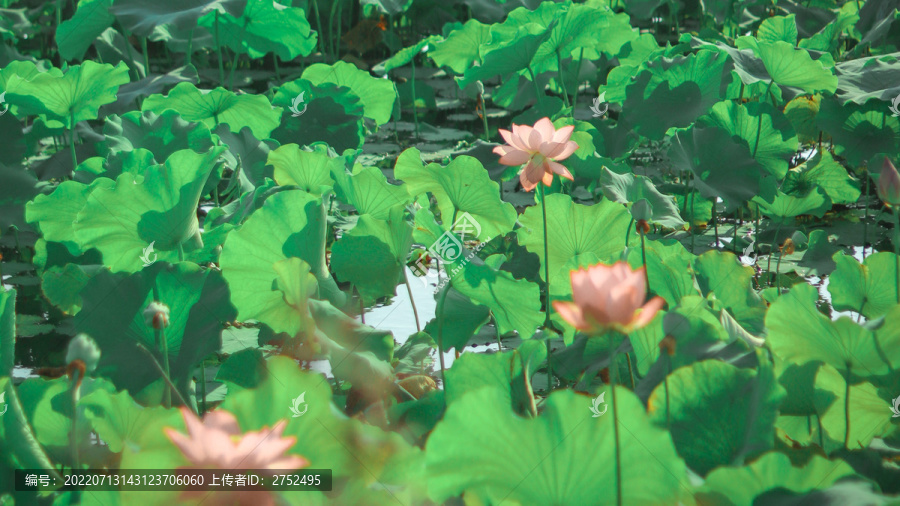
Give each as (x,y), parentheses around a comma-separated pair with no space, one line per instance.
(859,131)
(706,436)
(573,231)
(24,70)
(869,287)
(54,213)
(406,55)
(564,456)
(629,188)
(264,27)
(729,171)
(798,332)
(212,107)
(372,92)
(383,244)
(782,208)
(511,49)
(778,28)
(723,275)
(331,114)
(463,186)
(862,79)
(779,62)
(685,87)
(739,486)
(112,313)
(457,320)
(148,17)
(868,412)
(247,156)
(62,285)
(461,48)
(801,112)
(7,331)
(515,303)
(71,97)
(368,190)
(74,36)
(289,224)
(158,207)
(309,168)
(765,129)
(118,419)
(826,173)
(508,372)
(161,134)
(668,269)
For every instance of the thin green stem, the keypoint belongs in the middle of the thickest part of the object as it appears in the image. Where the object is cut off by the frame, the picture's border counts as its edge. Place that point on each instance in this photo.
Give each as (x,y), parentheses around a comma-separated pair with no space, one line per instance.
(866,215)
(190,48)
(562,80)
(537,90)
(497,334)
(769,260)
(440,342)
(847,409)
(577,82)
(412,301)
(315,5)
(547,286)
(759,126)
(415,109)
(73,436)
(72,139)
(234,62)
(487,133)
(146,56)
(202,404)
(644,262)
(219,50)
(163,374)
(613,379)
(630,369)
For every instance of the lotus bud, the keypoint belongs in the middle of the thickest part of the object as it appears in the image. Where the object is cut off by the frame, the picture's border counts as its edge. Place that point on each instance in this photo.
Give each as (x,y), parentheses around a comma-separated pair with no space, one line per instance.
(889,184)
(83,348)
(157,315)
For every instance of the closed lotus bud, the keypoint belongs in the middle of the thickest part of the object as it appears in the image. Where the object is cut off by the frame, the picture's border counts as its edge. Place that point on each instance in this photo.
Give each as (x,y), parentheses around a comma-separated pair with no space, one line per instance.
(889,184)
(157,315)
(83,348)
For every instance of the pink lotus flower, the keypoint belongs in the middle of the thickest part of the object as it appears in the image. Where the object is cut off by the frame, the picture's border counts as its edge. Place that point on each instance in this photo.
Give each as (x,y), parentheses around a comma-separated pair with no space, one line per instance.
(217,442)
(609,297)
(541,148)
(889,184)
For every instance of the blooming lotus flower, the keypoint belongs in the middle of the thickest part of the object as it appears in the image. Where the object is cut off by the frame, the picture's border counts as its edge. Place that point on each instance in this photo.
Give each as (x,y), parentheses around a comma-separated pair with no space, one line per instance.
(889,184)
(217,442)
(609,297)
(540,148)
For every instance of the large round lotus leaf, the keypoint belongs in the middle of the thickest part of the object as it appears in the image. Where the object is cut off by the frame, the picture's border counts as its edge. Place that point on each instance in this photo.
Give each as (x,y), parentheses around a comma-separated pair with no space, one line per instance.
(328,113)
(869,287)
(463,186)
(74,96)
(118,419)
(515,303)
(859,131)
(719,414)
(668,269)
(684,87)
(309,168)
(372,255)
(368,190)
(461,48)
(161,134)
(112,313)
(766,130)
(783,208)
(159,208)
(457,321)
(212,107)
(264,27)
(511,49)
(824,172)
(739,486)
(869,413)
(629,188)
(75,35)
(377,95)
(729,171)
(143,17)
(798,332)
(573,230)
(564,456)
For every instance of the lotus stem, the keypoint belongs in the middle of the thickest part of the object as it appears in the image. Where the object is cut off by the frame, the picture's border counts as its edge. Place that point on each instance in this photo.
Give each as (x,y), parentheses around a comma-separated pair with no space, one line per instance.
(613,377)
(219,50)
(866,215)
(715,220)
(644,262)
(415,108)
(190,48)
(577,82)
(201,406)
(537,90)
(769,260)
(163,374)
(847,408)
(758,127)
(547,285)
(412,301)
(666,385)
(73,438)
(319,42)
(630,370)
(146,56)
(440,342)
(497,334)
(72,139)
(487,133)
(562,80)
(277,70)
